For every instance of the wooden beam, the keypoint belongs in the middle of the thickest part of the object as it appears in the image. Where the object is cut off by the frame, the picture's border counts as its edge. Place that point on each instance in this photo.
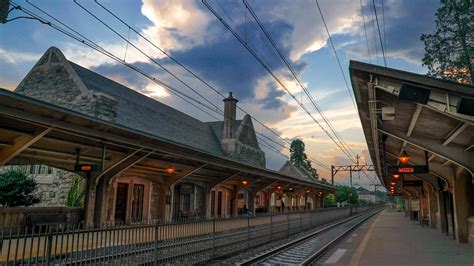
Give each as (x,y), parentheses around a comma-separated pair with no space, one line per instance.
(117,162)
(431,157)
(222,179)
(176,177)
(414,119)
(456,131)
(20,144)
(124,165)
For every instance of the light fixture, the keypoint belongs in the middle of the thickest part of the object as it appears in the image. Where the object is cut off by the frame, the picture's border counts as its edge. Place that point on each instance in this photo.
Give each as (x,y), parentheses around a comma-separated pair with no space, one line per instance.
(307,191)
(404,157)
(279,187)
(393,184)
(170,170)
(245,183)
(396,176)
(290,188)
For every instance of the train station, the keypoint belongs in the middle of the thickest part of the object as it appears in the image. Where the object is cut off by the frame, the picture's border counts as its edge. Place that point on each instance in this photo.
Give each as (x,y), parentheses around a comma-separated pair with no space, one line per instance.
(155,162)
(176,132)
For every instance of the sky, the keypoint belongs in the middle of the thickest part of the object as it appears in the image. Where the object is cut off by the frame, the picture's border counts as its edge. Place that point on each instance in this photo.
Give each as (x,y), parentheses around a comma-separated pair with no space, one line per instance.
(190,33)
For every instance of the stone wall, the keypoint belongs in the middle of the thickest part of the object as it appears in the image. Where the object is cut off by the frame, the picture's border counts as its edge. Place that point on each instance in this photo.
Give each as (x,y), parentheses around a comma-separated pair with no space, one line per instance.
(56,82)
(243,153)
(53,184)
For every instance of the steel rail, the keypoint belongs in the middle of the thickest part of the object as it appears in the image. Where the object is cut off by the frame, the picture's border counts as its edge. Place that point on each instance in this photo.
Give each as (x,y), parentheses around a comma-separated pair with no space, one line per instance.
(316,255)
(301,240)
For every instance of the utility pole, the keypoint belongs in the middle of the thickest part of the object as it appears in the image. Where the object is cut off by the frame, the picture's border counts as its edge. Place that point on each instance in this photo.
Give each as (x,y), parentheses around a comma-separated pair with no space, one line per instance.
(350,168)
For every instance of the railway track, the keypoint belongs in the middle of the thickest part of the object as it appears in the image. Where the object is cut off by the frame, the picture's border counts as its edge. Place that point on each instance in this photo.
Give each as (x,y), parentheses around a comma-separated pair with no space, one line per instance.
(307,249)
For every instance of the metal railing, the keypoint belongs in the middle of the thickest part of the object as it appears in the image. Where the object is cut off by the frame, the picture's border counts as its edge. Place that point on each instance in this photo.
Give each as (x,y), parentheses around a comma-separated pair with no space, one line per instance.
(157,242)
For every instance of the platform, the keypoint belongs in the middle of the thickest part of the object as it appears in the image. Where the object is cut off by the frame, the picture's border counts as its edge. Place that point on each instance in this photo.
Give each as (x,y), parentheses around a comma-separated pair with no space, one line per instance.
(390,238)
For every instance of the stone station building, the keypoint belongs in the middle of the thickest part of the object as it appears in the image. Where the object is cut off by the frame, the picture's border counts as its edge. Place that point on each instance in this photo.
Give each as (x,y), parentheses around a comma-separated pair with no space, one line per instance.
(154,162)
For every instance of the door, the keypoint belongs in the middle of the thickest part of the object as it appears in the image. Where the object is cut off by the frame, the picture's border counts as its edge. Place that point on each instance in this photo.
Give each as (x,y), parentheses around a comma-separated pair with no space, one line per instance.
(121,202)
(137,202)
(219,203)
(213,202)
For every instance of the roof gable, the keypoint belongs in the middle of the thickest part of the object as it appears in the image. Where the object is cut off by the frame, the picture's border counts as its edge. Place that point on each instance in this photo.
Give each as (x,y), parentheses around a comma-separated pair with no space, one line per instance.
(245,133)
(290,169)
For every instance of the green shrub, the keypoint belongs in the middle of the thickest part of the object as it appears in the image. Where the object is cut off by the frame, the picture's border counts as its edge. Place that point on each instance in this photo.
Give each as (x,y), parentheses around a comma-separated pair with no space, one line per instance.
(16,189)
(75,195)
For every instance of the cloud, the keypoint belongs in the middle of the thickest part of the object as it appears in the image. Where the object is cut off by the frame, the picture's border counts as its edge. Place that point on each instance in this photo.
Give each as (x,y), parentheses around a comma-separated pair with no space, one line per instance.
(401,27)
(177,24)
(16,57)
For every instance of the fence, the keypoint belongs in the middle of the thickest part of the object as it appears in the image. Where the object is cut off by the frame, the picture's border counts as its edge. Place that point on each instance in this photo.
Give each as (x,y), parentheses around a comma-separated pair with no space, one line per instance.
(157,242)
(16,217)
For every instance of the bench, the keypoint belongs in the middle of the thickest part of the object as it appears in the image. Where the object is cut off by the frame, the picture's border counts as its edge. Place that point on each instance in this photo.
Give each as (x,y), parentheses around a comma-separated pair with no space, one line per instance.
(45,219)
(188,213)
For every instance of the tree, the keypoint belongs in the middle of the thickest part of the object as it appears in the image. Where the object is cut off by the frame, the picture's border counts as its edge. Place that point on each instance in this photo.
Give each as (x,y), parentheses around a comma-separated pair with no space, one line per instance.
(299,158)
(346,194)
(16,189)
(449,52)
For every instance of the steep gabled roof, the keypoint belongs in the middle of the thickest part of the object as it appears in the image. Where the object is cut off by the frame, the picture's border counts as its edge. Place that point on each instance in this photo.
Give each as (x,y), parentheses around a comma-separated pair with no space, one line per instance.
(244,131)
(290,169)
(133,110)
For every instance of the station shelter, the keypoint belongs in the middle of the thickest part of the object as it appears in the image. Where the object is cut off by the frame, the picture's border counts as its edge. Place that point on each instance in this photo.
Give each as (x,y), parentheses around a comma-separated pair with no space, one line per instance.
(420,134)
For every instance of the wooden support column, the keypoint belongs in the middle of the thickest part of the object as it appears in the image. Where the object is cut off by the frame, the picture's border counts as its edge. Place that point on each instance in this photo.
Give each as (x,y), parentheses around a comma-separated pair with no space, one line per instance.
(443,222)
(433,208)
(251,200)
(20,144)
(462,204)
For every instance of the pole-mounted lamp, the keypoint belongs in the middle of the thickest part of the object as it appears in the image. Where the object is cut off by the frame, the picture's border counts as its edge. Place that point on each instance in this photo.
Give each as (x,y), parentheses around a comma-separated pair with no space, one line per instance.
(404,157)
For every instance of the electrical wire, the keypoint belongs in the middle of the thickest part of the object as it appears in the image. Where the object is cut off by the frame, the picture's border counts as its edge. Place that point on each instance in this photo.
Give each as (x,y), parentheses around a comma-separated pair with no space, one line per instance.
(295,75)
(194,74)
(365,30)
(271,73)
(84,40)
(380,35)
(335,53)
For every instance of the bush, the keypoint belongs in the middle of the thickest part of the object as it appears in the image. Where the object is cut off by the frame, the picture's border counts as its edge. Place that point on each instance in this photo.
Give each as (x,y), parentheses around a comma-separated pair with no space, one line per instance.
(75,195)
(16,189)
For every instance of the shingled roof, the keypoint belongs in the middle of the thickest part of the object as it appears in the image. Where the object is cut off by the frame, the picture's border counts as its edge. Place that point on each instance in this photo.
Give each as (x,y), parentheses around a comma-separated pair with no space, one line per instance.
(290,169)
(58,81)
(140,112)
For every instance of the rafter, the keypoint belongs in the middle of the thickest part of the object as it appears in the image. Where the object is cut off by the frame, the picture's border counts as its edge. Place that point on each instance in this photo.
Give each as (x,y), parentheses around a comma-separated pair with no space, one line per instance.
(455,132)
(20,144)
(121,166)
(176,177)
(414,119)
(222,179)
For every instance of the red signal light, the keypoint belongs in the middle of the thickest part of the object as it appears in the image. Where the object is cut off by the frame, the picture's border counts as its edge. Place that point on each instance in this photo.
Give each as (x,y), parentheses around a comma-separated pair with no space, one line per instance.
(86,167)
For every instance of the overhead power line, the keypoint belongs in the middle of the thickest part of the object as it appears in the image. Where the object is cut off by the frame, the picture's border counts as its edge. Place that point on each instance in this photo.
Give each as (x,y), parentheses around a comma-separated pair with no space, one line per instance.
(68,31)
(81,38)
(259,59)
(296,77)
(335,53)
(201,80)
(380,35)
(365,30)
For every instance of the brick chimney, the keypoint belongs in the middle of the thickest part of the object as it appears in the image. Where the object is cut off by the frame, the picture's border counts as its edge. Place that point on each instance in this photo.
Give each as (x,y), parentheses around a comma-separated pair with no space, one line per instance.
(230,106)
